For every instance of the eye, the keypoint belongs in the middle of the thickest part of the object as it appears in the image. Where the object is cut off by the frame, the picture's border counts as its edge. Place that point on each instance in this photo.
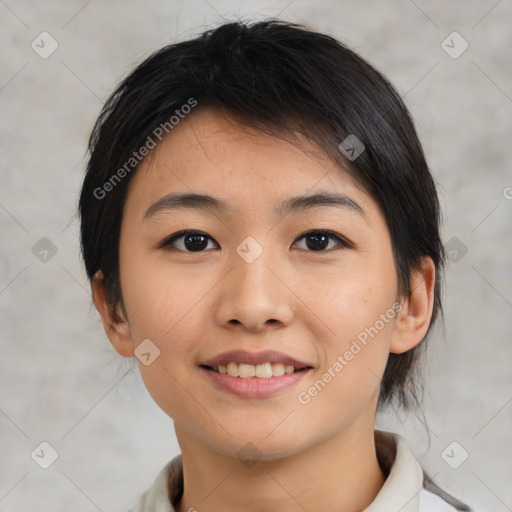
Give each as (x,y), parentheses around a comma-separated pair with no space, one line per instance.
(197,241)
(318,240)
(187,241)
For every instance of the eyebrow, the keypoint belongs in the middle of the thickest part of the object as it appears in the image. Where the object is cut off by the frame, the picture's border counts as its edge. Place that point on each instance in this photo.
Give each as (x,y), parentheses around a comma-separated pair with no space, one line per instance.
(205,202)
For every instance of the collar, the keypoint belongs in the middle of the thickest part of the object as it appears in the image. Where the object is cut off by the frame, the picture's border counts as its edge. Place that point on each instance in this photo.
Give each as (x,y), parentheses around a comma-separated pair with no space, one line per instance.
(401,490)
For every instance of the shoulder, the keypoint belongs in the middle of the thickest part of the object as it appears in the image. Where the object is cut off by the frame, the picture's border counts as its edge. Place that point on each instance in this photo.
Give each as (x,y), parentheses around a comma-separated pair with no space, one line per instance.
(435,498)
(408,487)
(166,488)
(430,502)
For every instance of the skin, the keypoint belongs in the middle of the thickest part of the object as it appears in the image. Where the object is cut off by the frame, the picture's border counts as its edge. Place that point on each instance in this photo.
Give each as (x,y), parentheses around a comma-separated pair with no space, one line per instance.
(308,304)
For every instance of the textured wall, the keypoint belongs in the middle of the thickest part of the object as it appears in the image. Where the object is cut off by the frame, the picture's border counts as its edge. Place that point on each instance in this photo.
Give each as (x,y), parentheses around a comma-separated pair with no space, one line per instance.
(62,382)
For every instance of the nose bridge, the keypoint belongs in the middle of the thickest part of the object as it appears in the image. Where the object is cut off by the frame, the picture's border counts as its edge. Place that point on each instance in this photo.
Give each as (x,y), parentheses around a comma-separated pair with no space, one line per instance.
(253,295)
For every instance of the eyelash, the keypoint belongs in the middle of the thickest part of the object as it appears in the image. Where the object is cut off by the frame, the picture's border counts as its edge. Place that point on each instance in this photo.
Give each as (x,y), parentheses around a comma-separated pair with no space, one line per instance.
(167,243)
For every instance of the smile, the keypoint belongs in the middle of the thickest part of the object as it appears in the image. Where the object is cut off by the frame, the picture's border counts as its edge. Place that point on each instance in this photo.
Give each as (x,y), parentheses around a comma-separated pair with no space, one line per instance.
(260,371)
(255,381)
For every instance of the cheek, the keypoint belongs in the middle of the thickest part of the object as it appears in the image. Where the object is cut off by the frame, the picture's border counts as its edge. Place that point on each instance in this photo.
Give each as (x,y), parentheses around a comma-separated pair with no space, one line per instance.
(351,301)
(355,360)
(363,319)
(165,308)
(356,311)
(160,301)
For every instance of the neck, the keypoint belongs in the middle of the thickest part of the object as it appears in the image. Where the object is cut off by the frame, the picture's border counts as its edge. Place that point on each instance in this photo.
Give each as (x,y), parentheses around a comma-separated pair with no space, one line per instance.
(341,474)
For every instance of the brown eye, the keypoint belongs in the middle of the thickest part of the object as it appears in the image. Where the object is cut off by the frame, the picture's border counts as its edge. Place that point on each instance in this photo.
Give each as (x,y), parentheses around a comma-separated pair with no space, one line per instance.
(319,241)
(188,241)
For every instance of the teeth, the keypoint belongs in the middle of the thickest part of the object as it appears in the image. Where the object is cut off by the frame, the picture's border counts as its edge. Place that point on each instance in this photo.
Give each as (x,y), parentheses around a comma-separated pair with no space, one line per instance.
(233,369)
(246,370)
(278,369)
(262,371)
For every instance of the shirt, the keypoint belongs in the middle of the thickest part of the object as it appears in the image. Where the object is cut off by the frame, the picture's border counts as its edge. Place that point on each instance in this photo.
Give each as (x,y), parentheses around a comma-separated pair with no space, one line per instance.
(407,487)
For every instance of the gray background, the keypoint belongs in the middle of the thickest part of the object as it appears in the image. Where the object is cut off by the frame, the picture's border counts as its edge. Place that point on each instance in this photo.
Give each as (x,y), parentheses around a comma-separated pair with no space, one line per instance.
(61,381)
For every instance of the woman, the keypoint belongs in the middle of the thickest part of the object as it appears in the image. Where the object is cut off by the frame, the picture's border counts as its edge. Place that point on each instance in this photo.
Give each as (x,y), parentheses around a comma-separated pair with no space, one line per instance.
(261,230)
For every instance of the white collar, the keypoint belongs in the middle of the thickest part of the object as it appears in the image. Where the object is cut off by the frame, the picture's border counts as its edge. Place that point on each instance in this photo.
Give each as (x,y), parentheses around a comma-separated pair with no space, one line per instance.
(400,492)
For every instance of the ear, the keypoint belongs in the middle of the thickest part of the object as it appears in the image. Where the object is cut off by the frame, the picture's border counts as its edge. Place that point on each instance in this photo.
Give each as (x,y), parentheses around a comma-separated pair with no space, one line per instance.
(414,318)
(115,324)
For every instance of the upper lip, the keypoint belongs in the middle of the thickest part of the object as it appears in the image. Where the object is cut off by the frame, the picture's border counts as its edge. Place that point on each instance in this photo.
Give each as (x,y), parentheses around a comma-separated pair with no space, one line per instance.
(254,358)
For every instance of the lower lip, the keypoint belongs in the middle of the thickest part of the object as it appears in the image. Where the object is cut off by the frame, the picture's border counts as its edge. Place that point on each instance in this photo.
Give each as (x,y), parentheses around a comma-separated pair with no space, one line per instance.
(254,387)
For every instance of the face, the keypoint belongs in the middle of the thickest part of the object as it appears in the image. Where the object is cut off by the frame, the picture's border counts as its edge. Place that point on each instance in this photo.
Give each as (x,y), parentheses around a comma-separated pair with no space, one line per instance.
(307,281)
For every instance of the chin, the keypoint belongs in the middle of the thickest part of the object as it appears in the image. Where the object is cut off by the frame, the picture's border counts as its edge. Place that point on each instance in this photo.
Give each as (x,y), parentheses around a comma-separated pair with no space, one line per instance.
(253,446)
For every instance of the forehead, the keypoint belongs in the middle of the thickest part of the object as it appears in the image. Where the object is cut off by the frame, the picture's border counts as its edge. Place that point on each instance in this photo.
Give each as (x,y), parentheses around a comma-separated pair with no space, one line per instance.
(211,154)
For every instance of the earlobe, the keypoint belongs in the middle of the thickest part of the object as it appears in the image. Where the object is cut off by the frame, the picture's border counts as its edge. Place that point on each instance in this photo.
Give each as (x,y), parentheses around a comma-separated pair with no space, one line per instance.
(414,317)
(114,323)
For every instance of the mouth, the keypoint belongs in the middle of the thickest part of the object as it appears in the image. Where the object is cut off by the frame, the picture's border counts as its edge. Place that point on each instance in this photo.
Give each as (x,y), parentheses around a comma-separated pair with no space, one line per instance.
(260,371)
(254,374)
(247,364)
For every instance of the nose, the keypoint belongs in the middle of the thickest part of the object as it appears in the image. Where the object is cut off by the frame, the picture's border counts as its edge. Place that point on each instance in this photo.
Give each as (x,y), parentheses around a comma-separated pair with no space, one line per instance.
(254,296)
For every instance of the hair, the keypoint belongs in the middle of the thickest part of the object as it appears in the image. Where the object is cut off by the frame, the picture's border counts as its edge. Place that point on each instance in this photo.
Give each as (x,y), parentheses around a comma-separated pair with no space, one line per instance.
(283,79)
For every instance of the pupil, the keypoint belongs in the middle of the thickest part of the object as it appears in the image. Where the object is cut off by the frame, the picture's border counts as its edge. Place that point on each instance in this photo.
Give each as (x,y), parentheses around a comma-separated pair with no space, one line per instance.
(199,242)
(317,244)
